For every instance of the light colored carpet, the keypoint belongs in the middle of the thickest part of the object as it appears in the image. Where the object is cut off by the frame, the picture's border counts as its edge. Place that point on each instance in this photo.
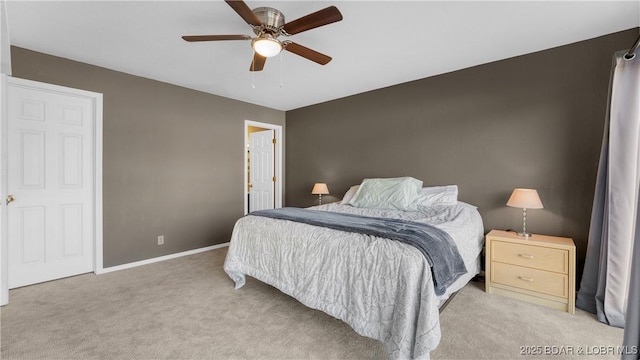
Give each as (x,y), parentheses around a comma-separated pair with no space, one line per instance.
(187,308)
(477,325)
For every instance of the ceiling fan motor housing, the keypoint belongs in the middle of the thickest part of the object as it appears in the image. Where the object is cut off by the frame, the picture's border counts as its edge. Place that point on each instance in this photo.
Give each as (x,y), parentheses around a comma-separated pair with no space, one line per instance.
(272,20)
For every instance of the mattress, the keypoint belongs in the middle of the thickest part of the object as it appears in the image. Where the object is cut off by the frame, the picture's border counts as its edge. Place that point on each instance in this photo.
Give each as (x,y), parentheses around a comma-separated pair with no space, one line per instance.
(382,288)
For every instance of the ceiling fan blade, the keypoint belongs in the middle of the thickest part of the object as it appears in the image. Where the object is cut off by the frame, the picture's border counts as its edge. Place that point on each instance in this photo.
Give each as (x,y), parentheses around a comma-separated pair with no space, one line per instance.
(319,18)
(258,62)
(307,53)
(245,12)
(192,38)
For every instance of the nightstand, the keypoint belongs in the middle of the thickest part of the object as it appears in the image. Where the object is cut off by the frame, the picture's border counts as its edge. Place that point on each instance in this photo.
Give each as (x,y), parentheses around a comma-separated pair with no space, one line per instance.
(538,269)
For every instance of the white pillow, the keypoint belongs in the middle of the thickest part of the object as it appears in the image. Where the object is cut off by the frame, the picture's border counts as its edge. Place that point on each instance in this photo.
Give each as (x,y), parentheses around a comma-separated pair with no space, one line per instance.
(437,195)
(389,193)
(349,194)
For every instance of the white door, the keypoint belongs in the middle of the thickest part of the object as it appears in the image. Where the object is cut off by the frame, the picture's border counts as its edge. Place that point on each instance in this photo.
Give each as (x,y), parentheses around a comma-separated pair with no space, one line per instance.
(261,171)
(50,164)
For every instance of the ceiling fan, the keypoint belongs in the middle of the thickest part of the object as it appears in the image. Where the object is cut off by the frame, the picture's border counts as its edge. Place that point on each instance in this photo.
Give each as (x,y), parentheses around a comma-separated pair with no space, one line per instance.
(268,24)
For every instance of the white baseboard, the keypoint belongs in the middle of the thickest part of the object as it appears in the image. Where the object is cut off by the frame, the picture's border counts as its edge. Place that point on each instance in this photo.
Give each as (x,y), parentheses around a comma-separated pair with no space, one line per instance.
(159,258)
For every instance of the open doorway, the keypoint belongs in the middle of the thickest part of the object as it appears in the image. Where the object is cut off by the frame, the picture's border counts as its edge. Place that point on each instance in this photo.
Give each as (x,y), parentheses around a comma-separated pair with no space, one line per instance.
(262,188)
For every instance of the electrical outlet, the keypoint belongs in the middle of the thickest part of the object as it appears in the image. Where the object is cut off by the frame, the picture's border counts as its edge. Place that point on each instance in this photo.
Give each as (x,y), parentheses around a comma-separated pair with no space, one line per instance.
(161,240)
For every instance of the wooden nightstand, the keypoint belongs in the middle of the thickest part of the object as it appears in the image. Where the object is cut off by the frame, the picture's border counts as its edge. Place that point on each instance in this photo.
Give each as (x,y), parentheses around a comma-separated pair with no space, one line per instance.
(539,269)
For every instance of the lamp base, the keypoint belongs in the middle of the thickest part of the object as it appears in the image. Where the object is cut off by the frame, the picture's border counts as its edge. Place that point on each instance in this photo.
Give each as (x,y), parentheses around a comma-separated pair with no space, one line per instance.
(524,234)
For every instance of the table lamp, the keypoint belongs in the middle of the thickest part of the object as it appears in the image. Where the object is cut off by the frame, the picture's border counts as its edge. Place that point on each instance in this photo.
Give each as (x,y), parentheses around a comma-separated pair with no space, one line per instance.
(320,189)
(525,199)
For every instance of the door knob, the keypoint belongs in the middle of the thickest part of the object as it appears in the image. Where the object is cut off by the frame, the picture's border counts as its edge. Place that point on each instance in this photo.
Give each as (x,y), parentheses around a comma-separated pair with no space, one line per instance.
(10,199)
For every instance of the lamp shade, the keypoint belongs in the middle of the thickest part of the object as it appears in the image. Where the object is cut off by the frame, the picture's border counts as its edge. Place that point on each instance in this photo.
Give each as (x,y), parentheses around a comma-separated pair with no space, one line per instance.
(525,199)
(320,189)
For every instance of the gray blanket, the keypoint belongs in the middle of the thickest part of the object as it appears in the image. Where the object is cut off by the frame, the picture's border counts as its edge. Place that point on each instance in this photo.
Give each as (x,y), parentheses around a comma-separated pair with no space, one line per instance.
(435,244)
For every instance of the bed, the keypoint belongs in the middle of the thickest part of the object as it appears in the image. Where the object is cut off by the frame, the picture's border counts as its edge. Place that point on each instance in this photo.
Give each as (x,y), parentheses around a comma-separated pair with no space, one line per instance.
(382,288)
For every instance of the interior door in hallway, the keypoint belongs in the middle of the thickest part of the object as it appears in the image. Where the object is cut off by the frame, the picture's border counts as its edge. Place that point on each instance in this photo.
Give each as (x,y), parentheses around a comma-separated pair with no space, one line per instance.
(50,182)
(261,170)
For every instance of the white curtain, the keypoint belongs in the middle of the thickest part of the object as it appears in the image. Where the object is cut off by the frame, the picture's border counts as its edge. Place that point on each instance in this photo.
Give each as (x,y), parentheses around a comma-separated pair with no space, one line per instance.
(604,288)
(631,341)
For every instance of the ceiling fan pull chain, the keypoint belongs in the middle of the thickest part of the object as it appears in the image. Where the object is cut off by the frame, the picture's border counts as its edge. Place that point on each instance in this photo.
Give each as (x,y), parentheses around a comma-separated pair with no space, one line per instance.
(253,79)
(281,69)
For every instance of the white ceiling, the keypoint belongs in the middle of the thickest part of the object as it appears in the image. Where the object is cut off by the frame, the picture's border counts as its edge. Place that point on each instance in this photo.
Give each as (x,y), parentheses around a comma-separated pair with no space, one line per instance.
(378,44)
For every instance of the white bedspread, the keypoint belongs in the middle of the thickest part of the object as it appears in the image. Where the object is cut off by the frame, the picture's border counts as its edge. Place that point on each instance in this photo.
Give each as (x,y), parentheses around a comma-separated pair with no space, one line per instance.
(381,287)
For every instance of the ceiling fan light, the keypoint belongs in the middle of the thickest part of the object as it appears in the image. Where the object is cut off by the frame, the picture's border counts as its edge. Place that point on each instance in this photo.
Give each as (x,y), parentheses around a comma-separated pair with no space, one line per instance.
(267,46)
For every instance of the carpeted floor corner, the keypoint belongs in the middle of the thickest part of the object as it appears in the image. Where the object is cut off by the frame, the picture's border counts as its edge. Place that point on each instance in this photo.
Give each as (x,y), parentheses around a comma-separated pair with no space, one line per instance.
(477,325)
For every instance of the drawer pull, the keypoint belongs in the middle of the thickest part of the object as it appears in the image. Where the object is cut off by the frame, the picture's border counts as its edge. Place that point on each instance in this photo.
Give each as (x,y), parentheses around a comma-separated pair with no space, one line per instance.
(526,256)
(524,278)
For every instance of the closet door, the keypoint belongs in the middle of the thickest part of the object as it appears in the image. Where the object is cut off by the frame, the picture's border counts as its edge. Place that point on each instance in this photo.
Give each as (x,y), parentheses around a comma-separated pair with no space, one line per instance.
(50,184)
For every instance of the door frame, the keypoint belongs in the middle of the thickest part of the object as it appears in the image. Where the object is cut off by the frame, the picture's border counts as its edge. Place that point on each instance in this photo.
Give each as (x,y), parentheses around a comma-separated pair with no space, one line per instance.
(277,158)
(96,98)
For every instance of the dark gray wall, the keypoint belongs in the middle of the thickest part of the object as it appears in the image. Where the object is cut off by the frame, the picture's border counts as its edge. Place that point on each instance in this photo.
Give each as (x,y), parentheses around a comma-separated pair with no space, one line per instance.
(173,157)
(531,121)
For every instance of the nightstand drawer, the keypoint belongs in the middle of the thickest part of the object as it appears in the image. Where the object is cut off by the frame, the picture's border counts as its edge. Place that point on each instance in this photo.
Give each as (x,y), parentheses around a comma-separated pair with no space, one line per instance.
(536,257)
(545,282)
